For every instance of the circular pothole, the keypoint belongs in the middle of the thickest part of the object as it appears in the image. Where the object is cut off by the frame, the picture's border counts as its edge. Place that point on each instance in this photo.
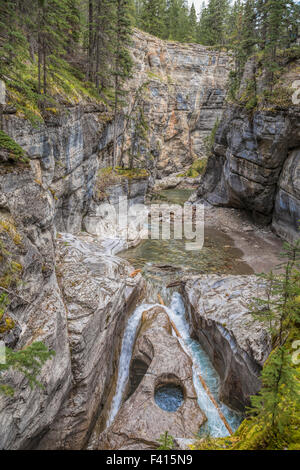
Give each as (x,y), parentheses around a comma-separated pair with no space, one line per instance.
(169,397)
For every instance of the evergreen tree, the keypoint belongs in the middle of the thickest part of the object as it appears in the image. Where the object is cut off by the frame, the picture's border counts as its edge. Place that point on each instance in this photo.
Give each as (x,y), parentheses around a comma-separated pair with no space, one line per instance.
(153,17)
(202,27)
(122,62)
(212,23)
(100,32)
(241,35)
(178,20)
(192,24)
(278,402)
(276,14)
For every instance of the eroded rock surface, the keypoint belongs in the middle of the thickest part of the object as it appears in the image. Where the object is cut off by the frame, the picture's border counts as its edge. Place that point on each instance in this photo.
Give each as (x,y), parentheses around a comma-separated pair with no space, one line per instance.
(256,164)
(98,294)
(184,97)
(36,306)
(158,359)
(102,219)
(72,296)
(219,314)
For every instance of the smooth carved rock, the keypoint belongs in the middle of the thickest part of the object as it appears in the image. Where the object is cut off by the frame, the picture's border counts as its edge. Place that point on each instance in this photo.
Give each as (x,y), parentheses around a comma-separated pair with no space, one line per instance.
(37,306)
(81,319)
(140,421)
(219,313)
(98,293)
(287,204)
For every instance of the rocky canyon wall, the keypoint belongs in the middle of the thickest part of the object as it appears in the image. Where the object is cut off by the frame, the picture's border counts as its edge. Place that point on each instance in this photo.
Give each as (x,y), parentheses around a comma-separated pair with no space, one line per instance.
(62,297)
(183,98)
(256,163)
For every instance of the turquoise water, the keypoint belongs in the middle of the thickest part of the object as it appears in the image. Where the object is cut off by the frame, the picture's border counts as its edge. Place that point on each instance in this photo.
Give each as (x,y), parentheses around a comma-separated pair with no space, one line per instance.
(163,262)
(169,397)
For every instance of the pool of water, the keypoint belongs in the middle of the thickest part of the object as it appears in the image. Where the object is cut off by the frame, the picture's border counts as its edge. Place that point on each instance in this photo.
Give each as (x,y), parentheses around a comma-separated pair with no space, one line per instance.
(174,196)
(169,397)
(165,261)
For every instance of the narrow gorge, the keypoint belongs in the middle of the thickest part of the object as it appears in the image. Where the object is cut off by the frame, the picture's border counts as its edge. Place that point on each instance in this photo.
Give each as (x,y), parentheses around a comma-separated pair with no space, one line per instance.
(148,338)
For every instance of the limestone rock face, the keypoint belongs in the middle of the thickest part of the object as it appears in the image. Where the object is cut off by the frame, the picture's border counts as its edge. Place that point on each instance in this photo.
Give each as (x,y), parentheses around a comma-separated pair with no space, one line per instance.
(183,98)
(64,157)
(72,296)
(219,313)
(183,90)
(255,165)
(98,293)
(157,360)
(27,232)
(103,215)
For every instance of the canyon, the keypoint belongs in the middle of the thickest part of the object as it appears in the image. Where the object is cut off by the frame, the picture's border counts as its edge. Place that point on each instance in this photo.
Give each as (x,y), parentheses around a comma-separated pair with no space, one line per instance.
(76,294)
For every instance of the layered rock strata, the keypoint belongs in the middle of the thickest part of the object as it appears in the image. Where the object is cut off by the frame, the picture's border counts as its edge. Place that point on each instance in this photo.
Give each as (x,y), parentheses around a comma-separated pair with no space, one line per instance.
(256,162)
(219,310)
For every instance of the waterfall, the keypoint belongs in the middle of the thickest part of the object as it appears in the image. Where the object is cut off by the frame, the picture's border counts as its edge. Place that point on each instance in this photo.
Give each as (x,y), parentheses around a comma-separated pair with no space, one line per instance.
(201,364)
(125,358)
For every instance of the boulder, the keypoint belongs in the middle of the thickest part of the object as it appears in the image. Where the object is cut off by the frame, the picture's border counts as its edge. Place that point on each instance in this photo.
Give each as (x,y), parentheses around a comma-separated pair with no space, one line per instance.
(220,318)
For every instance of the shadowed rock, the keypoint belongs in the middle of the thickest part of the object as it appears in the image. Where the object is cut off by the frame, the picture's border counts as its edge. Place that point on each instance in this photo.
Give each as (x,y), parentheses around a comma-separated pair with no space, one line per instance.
(140,421)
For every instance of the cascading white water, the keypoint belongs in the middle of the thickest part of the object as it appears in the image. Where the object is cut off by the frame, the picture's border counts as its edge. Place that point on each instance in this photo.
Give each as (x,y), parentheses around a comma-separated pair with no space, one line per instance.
(125,357)
(201,364)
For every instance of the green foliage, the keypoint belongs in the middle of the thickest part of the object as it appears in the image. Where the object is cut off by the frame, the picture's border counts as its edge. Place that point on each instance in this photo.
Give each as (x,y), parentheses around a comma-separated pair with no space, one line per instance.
(15,151)
(39,63)
(152,17)
(213,23)
(274,417)
(108,176)
(166,441)
(264,30)
(28,361)
(210,140)
(196,169)
(167,19)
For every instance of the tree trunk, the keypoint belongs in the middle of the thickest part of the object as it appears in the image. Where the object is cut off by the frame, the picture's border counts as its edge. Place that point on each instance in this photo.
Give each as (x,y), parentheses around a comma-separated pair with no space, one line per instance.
(115,122)
(90,45)
(45,68)
(39,53)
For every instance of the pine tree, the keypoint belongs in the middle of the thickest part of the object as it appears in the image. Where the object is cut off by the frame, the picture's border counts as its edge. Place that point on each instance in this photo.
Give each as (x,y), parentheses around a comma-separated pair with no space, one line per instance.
(122,62)
(100,32)
(278,402)
(248,29)
(202,27)
(212,23)
(241,37)
(192,24)
(275,14)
